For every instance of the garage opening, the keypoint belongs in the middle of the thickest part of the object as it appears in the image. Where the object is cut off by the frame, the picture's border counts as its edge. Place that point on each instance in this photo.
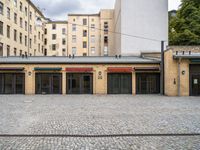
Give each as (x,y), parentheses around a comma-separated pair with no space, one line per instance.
(195,80)
(12,83)
(48,83)
(119,83)
(79,83)
(147,83)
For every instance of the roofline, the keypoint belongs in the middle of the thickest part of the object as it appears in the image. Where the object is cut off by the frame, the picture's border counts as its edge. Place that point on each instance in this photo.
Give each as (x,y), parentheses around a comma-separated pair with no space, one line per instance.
(186,56)
(58,22)
(84,14)
(24,63)
(31,3)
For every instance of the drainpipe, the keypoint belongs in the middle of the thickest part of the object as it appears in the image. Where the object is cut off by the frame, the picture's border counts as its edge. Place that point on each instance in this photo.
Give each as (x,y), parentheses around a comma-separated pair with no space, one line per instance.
(162,71)
(88,36)
(28,38)
(179,77)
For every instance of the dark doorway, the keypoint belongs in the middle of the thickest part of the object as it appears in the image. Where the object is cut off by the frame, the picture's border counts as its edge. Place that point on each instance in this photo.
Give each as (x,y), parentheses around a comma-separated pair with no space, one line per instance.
(12,83)
(119,83)
(48,83)
(147,83)
(79,83)
(195,80)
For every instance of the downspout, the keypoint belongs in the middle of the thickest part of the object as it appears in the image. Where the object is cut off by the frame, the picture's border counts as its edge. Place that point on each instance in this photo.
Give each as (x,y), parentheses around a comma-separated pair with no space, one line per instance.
(28,42)
(88,36)
(179,77)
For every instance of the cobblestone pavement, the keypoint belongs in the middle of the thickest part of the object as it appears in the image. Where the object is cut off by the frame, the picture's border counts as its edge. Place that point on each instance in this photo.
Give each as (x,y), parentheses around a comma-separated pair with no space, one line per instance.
(90,115)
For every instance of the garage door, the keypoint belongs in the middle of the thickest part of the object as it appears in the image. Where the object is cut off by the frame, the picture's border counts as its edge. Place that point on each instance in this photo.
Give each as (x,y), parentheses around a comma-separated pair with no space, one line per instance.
(195,80)
(48,83)
(119,83)
(12,83)
(79,83)
(147,83)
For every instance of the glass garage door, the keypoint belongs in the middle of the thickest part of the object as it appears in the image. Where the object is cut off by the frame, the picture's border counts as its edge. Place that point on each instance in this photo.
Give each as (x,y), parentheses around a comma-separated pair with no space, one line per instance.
(79,83)
(147,83)
(195,80)
(119,83)
(47,83)
(12,83)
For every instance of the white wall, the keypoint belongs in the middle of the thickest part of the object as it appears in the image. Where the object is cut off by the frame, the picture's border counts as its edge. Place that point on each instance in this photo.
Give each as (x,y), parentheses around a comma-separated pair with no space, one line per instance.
(144,18)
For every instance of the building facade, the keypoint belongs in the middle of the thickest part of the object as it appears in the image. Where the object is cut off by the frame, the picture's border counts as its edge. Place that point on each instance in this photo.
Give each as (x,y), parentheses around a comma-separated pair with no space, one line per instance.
(55,38)
(141,26)
(88,34)
(21,28)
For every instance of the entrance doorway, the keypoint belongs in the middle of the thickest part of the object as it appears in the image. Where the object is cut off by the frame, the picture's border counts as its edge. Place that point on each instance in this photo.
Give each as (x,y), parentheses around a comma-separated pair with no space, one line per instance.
(119,83)
(147,83)
(79,83)
(48,83)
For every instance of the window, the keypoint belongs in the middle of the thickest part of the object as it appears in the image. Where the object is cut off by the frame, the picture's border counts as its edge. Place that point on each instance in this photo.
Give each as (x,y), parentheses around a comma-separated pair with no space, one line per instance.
(1,8)
(1,28)
(73,27)
(21,7)
(30,43)
(92,38)
(20,53)
(39,35)
(26,26)
(8,31)
(42,37)
(38,47)
(25,41)
(106,39)
(8,50)
(53,36)
(45,41)
(8,13)
(15,3)
(93,50)
(53,47)
(15,51)
(63,31)
(84,54)
(30,15)
(93,27)
(92,19)
(73,38)
(63,41)
(42,49)
(45,31)
(35,40)
(21,23)
(54,26)
(84,44)
(73,50)
(15,18)
(20,38)
(26,11)
(45,52)
(64,50)
(84,33)
(30,29)
(85,22)
(15,35)
(74,19)
(1,49)
(105,27)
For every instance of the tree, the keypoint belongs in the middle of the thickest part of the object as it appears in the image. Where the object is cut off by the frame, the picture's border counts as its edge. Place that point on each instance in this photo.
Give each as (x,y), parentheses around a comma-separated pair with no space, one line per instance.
(184,27)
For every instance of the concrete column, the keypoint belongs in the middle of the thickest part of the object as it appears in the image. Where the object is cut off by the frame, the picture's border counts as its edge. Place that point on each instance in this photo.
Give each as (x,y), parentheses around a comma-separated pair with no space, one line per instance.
(134,83)
(64,83)
(29,82)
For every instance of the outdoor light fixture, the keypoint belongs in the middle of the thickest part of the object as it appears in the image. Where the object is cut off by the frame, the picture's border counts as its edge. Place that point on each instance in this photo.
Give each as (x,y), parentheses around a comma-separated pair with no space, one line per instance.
(183,72)
(29,73)
(174,81)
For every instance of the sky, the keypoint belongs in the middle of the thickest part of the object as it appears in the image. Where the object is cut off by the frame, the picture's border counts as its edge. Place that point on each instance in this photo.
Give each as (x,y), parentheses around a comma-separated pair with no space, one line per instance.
(58,9)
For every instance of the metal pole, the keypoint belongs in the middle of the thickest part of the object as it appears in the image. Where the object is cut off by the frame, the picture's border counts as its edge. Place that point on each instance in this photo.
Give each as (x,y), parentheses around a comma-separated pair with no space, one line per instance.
(162,68)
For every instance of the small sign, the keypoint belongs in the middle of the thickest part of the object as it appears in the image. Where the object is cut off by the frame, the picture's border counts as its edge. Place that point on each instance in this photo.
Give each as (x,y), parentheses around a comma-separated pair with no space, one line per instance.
(100,75)
(195,81)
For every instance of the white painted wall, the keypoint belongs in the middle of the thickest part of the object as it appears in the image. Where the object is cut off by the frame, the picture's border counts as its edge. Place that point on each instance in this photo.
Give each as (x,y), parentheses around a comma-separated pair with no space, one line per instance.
(144,18)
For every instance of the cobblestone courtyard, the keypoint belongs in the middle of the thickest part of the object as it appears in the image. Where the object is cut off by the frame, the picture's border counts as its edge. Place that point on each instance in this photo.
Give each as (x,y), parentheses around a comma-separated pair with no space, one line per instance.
(99,115)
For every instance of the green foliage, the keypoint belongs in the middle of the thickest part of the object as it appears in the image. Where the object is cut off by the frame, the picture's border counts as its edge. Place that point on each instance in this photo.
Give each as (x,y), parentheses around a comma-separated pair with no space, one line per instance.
(184,27)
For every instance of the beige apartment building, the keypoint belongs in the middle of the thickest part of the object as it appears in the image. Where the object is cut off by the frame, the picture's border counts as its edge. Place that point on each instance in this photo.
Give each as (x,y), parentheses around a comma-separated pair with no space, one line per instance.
(21,28)
(88,34)
(55,38)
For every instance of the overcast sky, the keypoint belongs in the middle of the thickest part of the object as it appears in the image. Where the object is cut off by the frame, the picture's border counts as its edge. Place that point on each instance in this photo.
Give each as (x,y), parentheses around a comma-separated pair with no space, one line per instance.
(58,9)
